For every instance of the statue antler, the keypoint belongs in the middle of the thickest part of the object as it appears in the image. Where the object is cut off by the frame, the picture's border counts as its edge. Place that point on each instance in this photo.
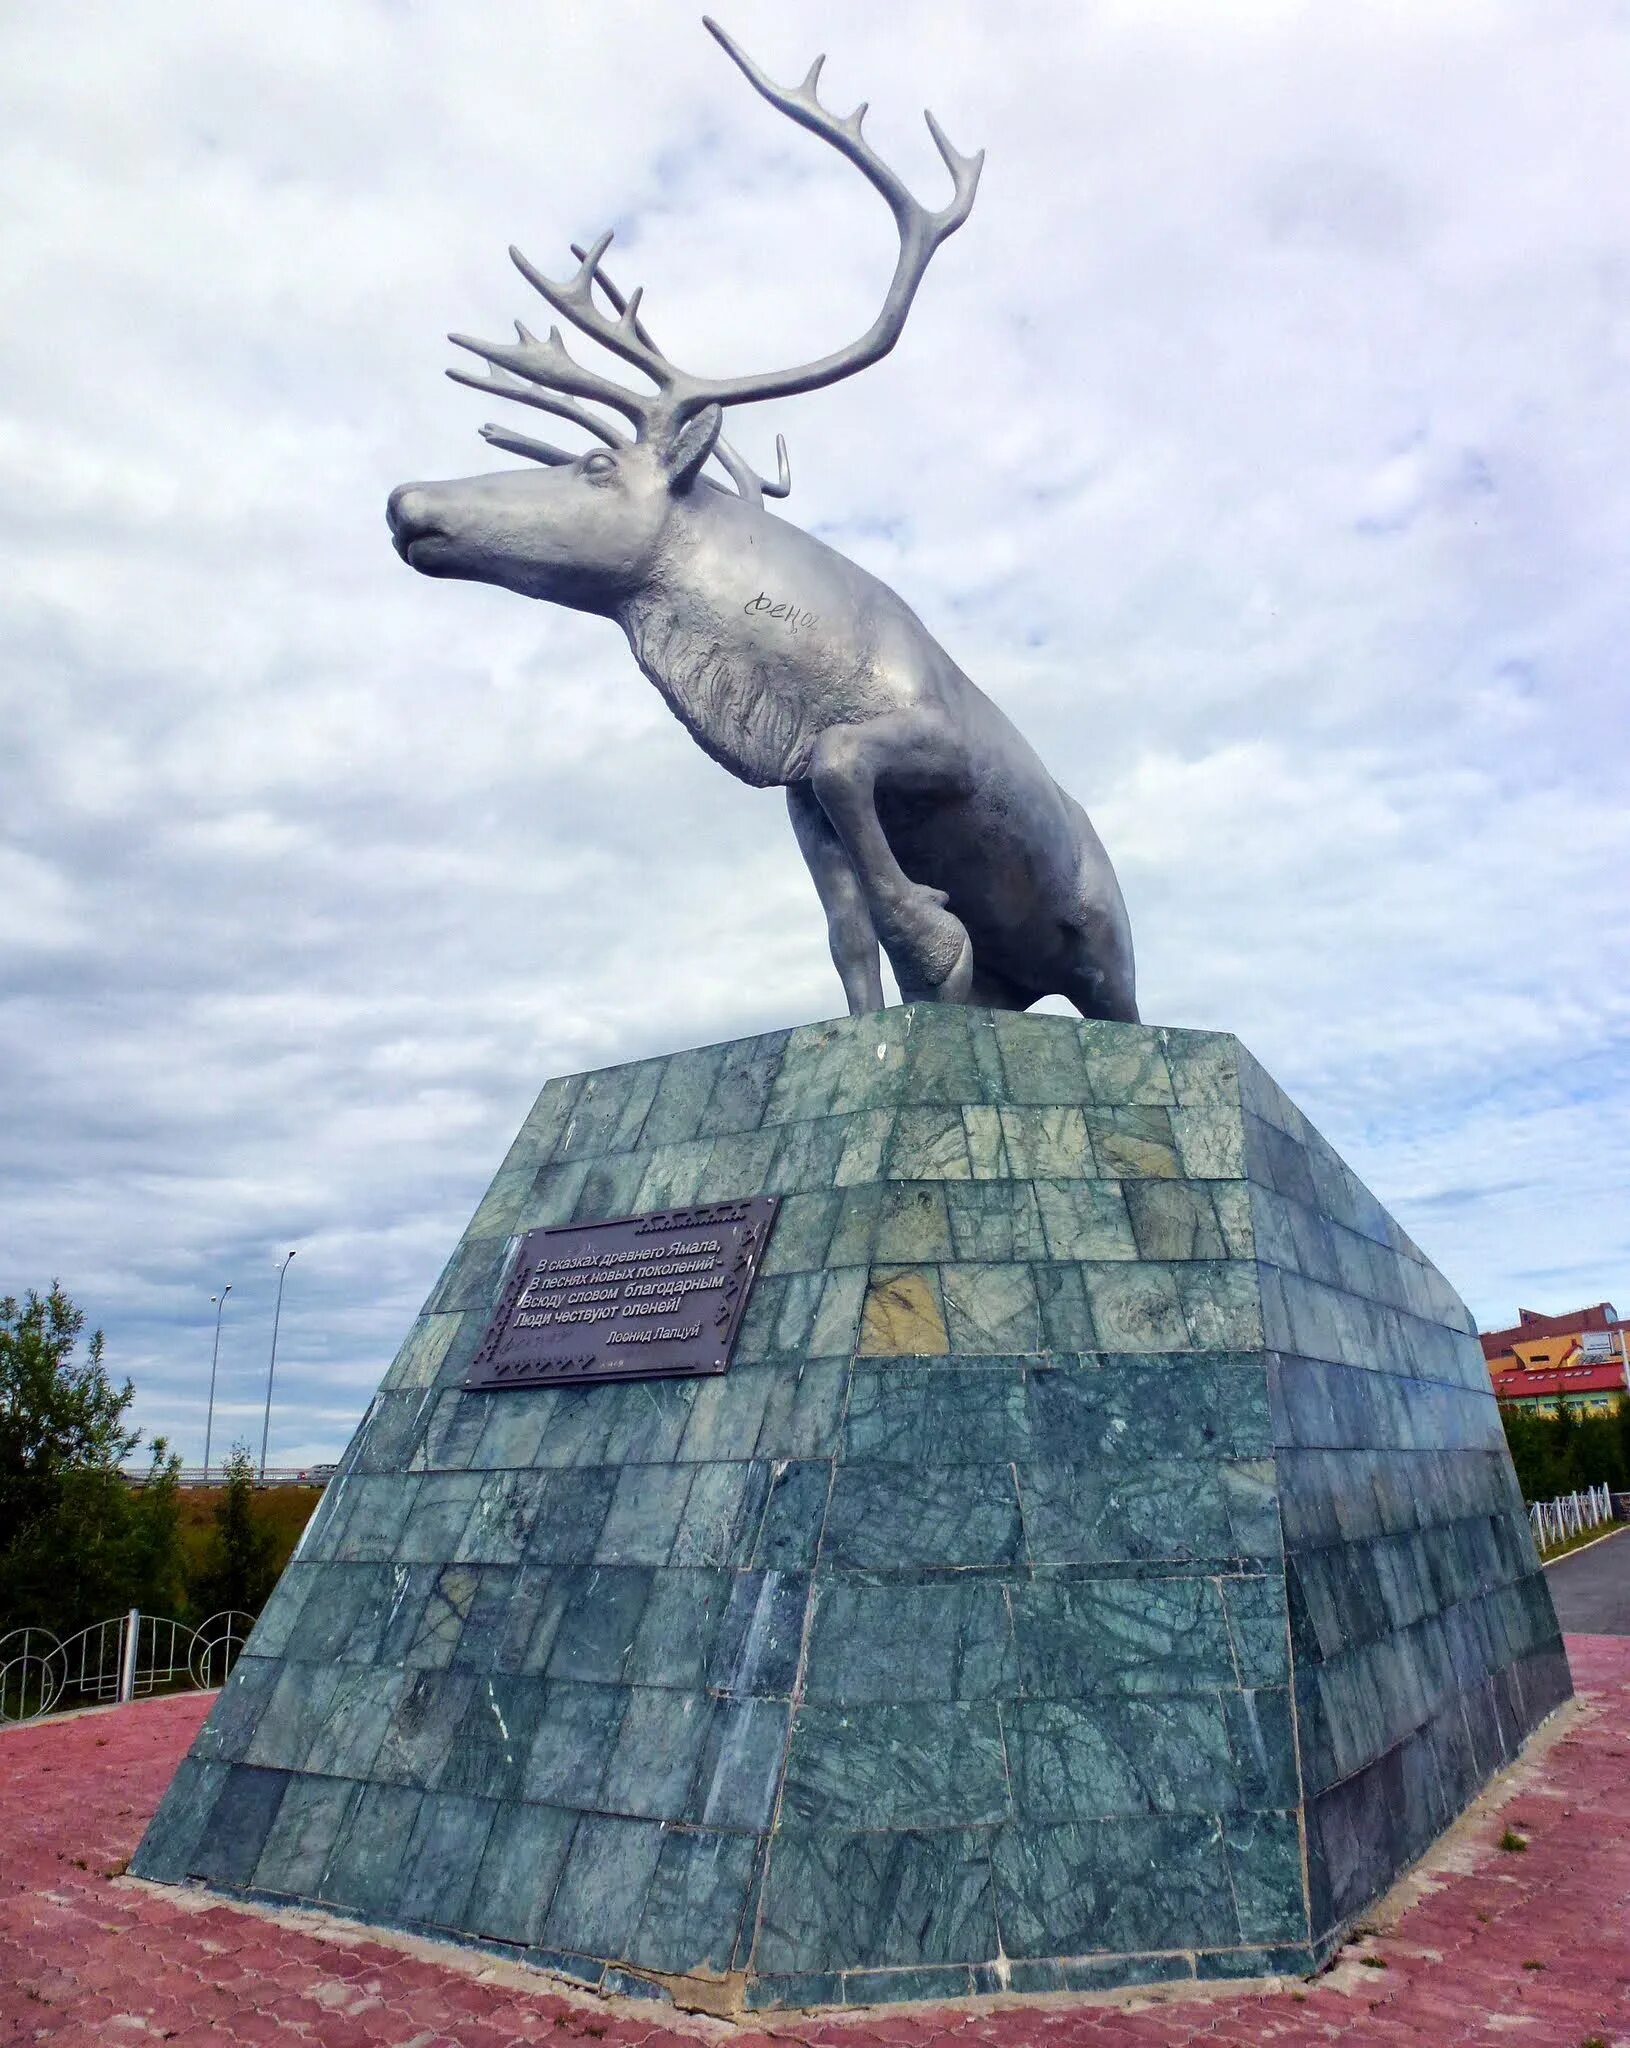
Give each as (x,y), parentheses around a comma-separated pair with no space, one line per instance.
(679,395)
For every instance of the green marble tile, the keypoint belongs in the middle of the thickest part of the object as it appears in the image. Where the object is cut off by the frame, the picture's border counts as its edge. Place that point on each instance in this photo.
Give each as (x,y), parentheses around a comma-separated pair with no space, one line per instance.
(1204,1067)
(803,1229)
(1066,1314)
(987,1148)
(925,1765)
(1090,1514)
(488,1754)
(1134,1144)
(992,1220)
(592,1625)
(803,1413)
(501,1204)
(939,1061)
(1156,1882)
(686,1086)
(698,1896)
(835,1900)
(442,1857)
(855,1230)
(301,1838)
(790,1534)
(1264,1853)
(1221,1305)
(643,1518)
(742,1090)
(672,1176)
(722,1515)
(1256,1622)
(1046,1144)
(653,1764)
(928,1144)
(990,1308)
(602,1891)
(1040,1063)
(519,1869)
(1210,1143)
(610,1188)
(866,1138)
(912,1227)
(1077,1637)
(442,1505)
(737,1166)
(419,1360)
(1136,1307)
(905,1642)
(540,1133)
(607,1112)
(836,1321)
(917,1414)
(883,1516)
(554,1196)
(428,1714)
(1073,1760)
(1125,1064)
(1084,1219)
(739,1770)
(1175,1219)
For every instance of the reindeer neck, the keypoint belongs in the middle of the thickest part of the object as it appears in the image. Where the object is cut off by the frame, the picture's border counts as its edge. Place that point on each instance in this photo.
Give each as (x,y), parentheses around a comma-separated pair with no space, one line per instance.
(695,636)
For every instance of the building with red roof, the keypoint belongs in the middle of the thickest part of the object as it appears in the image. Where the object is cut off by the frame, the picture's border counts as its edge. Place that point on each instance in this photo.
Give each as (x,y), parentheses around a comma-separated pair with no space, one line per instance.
(1579,1360)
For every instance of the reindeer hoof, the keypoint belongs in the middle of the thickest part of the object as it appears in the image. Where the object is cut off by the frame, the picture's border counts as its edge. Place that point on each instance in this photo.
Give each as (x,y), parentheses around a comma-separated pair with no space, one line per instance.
(954,988)
(941,971)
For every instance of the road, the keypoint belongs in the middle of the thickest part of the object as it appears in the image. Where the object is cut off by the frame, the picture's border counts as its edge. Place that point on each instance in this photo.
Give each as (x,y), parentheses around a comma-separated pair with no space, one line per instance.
(1592,1588)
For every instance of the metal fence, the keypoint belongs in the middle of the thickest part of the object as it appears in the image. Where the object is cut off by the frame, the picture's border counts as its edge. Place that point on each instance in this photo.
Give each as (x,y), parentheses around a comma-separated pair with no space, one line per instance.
(1554,1521)
(127,1657)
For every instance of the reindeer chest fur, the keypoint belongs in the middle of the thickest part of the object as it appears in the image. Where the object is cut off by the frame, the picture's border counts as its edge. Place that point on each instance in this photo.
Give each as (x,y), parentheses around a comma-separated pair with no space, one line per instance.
(754,720)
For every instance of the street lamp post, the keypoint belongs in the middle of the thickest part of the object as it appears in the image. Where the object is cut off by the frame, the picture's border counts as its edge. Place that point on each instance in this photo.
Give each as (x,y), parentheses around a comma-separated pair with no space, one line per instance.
(265,1428)
(214,1360)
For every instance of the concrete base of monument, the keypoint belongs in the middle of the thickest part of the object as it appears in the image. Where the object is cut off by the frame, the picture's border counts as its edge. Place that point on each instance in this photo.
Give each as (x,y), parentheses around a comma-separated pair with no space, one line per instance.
(1100,1565)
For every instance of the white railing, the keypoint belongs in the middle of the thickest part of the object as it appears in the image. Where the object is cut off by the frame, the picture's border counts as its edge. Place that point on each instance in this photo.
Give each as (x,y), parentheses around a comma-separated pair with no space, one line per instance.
(127,1657)
(1554,1521)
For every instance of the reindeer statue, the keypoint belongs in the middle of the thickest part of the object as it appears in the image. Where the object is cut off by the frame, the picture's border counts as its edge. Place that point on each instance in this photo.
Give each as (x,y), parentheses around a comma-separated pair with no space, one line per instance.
(927,821)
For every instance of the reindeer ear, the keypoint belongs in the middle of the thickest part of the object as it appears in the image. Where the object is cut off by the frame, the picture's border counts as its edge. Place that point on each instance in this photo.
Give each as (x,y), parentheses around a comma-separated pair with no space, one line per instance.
(691,447)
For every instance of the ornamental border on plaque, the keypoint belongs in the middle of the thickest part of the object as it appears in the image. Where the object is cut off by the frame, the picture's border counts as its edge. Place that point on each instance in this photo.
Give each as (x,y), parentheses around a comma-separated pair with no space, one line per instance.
(572,1321)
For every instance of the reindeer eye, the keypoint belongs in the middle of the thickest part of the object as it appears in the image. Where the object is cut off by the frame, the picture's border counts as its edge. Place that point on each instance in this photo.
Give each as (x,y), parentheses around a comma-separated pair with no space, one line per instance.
(599,465)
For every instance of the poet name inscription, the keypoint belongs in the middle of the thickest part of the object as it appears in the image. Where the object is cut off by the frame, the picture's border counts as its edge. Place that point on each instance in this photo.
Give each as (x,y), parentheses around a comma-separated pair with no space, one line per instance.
(644,1297)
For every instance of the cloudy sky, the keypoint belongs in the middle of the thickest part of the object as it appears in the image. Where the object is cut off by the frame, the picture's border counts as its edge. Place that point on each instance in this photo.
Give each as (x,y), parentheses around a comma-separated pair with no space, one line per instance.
(1262,445)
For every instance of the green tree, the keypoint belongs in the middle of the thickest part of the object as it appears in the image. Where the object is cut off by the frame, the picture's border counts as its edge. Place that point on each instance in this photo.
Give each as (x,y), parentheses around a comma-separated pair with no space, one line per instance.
(57,1413)
(240,1568)
(77,1542)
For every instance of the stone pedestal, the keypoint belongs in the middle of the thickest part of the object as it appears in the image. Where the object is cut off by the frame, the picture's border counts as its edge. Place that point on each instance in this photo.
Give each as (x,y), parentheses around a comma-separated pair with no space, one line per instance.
(1101,1563)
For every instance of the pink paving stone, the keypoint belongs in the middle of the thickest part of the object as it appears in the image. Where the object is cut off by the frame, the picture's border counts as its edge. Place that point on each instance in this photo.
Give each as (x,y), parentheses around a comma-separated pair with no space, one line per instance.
(85,1958)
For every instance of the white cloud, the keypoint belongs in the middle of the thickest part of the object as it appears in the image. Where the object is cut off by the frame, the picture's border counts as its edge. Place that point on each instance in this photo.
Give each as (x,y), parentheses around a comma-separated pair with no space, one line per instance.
(1259,444)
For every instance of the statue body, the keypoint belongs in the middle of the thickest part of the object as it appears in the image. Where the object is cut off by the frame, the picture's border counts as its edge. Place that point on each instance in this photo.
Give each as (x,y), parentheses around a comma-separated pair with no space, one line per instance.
(930,826)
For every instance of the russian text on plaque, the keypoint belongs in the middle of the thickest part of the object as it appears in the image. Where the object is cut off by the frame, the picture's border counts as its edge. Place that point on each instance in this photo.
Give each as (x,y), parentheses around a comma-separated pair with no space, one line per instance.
(644,1297)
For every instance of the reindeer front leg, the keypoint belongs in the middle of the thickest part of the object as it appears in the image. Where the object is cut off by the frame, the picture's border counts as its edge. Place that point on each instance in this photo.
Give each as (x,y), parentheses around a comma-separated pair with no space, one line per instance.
(928,948)
(849,928)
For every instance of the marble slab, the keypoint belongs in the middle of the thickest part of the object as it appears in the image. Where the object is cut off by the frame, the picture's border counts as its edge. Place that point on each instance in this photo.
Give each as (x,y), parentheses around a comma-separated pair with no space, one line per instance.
(1100,1565)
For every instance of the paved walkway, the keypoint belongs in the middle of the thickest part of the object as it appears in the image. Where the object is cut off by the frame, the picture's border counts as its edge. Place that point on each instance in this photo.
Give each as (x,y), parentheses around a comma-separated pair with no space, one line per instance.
(1592,1588)
(1491,1945)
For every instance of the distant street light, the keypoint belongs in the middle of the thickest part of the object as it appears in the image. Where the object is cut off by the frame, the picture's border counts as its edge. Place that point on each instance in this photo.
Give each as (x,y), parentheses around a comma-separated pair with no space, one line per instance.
(265,1428)
(214,1360)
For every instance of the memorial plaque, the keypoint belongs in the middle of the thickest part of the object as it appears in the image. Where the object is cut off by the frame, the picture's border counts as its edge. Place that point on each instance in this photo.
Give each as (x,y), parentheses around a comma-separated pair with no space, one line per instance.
(645,1297)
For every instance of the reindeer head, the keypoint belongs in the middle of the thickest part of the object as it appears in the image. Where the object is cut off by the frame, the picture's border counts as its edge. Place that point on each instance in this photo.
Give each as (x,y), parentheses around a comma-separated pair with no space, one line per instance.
(588,529)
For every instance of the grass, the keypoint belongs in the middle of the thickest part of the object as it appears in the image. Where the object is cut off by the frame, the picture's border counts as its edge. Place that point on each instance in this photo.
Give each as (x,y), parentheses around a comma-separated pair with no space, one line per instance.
(284,1509)
(1550,1552)
(1513,1842)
